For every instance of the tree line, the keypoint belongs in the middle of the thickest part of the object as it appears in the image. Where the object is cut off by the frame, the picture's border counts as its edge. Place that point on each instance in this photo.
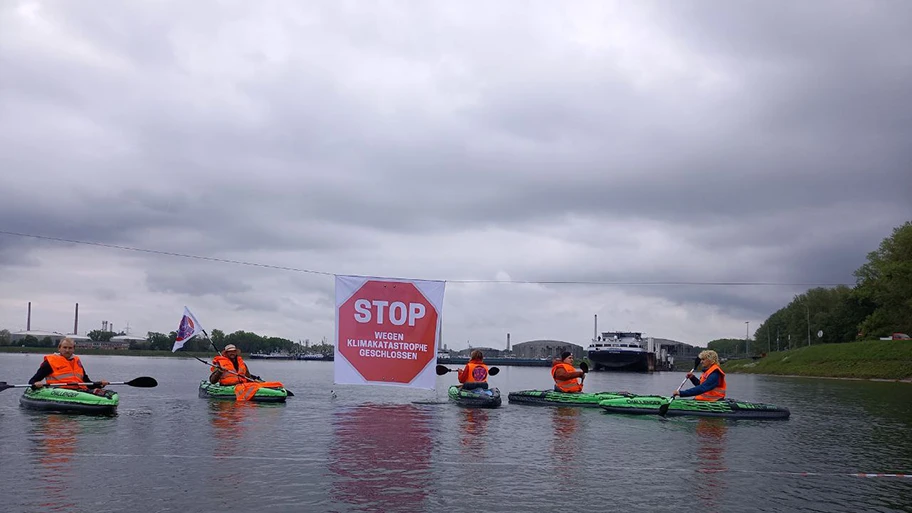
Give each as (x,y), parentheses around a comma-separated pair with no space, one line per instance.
(879,305)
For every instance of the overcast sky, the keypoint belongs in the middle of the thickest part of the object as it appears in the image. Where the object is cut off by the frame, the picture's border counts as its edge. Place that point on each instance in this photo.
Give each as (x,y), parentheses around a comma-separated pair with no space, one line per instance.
(525,141)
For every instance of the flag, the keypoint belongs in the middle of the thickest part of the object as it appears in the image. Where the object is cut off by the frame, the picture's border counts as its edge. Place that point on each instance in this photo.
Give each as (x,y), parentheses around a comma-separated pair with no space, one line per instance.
(189,328)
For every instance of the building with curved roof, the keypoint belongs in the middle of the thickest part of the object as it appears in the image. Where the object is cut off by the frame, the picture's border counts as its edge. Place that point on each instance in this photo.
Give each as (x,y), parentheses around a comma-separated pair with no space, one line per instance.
(547,349)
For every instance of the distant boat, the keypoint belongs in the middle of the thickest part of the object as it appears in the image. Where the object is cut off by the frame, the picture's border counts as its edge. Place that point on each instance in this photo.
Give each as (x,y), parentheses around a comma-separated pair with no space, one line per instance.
(619,351)
(311,356)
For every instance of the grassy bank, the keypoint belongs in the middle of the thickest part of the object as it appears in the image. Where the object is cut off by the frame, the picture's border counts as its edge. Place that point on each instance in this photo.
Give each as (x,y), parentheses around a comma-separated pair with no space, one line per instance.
(115,352)
(876,359)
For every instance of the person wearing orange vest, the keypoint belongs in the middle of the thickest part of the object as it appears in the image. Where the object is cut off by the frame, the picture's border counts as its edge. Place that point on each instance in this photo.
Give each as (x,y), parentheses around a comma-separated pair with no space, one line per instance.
(565,374)
(230,360)
(711,385)
(475,373)
(65,367)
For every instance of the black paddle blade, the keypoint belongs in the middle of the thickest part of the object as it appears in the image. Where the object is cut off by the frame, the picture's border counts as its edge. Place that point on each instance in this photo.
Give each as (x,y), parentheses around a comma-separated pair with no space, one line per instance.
(143,382)
(584,367)
(441,370)
(289,392)
(493,371)
(663,410)
(4,386)
(696,363)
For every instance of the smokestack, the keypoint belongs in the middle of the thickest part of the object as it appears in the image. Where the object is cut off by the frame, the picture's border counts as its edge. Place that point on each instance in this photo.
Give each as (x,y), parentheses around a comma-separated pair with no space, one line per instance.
(508,341)
(76,321)
(595,329)
(28,322)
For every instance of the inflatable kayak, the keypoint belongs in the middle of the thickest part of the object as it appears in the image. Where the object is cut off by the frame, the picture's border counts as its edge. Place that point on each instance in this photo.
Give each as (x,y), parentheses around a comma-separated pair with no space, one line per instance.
(477,398)
(553,398)
(730,408)
(263,394)
(69,401)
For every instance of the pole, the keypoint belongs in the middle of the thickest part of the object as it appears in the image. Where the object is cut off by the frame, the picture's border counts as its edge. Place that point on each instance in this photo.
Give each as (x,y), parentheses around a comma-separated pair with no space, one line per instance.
(777,339)
(769,345)
(747,337)
(809,323)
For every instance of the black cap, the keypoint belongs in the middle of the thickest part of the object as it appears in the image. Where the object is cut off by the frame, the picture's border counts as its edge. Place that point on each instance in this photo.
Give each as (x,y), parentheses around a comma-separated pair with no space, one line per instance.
(565,354)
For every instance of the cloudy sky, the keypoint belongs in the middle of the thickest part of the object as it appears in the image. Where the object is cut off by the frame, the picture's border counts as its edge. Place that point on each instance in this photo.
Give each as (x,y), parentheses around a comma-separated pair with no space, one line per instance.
(616,146)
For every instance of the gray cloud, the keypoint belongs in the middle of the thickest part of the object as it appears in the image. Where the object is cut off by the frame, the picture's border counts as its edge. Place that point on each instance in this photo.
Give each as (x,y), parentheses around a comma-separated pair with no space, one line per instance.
(744,142)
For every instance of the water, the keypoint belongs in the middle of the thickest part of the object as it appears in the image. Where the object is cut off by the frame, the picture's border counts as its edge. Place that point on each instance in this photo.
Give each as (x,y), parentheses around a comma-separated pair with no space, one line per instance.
(375,449)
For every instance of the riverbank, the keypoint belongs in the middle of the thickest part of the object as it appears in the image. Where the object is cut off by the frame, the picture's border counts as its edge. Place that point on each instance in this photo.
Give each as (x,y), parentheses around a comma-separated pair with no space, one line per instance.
(875,359)
(114,352)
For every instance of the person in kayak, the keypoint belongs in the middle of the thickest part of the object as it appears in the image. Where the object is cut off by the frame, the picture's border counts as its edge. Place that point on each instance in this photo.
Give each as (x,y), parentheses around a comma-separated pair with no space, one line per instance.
(230,360)
(565,376)
(711,385)
(65,367)
(475,373)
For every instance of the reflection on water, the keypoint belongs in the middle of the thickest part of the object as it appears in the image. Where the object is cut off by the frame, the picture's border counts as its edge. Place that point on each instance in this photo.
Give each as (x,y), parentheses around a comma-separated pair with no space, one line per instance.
(565,444)
(473,426)
(54,442)
(711,448)
(380,458)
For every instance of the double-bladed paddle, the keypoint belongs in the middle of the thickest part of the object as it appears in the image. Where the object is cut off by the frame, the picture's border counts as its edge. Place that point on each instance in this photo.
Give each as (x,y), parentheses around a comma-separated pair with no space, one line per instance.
(441,370)
(663,410)
(141,382)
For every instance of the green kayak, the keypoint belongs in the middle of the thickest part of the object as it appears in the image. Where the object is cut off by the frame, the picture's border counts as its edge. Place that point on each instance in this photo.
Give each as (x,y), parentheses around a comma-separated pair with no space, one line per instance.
(730,408)
(553,398)
(69,401)
(476,398)
(263,395)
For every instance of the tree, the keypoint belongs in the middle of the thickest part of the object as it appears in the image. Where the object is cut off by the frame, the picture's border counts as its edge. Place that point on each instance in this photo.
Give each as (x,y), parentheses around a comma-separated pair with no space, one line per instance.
(218,337)
(100,335)
(885,281)
(4,337)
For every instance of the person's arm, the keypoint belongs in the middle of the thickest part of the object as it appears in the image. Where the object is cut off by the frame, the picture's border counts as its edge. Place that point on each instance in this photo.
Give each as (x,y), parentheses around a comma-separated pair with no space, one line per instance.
(693,379)
(711,382)
(562,375)
(43,371)
(214,377)
(463,374)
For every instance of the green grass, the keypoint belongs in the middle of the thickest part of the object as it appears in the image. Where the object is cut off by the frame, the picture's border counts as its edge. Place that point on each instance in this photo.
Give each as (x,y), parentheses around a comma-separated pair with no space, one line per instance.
(875,359)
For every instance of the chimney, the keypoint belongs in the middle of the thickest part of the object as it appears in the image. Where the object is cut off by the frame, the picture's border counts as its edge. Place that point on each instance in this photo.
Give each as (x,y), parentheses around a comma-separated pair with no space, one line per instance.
(595,329)
(76,321)
(508,341)
(28,322)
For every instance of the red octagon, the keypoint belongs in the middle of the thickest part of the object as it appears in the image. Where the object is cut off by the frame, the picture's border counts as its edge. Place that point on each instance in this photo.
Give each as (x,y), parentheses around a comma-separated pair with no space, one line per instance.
(387,331)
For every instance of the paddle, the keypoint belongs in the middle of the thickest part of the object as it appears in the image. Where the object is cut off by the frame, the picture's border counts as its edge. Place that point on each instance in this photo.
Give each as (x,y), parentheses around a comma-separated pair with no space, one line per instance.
(441,370)
(585,368)
(256,378)
(663,410)
(141,382)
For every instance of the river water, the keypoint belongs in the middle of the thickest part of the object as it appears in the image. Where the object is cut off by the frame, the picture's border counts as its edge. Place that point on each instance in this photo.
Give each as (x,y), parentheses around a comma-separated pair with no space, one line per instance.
(377,448)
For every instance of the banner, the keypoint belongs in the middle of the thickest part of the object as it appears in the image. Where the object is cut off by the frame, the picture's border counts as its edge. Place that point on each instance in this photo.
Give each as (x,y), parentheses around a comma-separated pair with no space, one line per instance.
(189,328)
(387,331)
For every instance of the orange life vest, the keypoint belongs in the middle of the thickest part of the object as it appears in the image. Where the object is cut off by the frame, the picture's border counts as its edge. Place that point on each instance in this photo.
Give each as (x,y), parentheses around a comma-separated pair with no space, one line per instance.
(474,372)
(716,393)
(569,385)
(65,371)
(227,378)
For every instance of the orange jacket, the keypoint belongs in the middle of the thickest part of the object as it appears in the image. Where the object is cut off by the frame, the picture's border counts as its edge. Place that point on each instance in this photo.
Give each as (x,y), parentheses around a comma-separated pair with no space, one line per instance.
(227,378)
(65,371)
(474,372)
(716,393)
(569,385)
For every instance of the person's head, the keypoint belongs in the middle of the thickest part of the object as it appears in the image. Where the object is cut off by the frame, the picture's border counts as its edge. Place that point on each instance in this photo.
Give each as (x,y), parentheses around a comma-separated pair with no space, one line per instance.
(708,357)
(231,351)
(66,347)
(477,355)
(567,357)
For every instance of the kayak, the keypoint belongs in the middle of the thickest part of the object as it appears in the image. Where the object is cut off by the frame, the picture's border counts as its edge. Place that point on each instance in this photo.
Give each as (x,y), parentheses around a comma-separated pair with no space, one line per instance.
(263,395)
(730,408)
(69,401)
(477,398)
(553,398)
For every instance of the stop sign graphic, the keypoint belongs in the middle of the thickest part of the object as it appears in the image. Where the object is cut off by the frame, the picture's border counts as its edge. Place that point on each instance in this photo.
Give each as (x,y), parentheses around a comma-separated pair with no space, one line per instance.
(388,330)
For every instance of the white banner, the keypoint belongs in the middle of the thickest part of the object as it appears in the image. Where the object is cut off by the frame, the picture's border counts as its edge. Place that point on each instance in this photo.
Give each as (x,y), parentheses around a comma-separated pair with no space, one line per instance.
(387,331)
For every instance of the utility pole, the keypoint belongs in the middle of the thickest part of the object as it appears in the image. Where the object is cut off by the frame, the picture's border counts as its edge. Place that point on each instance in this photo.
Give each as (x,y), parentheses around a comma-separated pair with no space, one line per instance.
(809,323)
(747,337)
